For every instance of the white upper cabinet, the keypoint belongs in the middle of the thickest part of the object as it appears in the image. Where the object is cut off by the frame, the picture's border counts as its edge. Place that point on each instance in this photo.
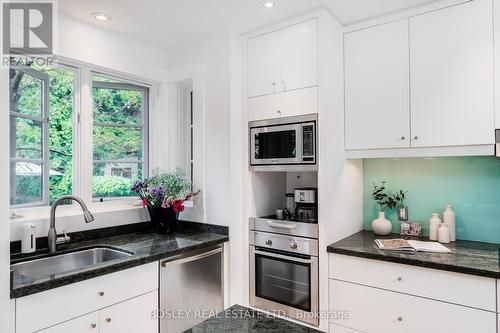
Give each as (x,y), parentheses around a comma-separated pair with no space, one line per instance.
(283,60)
(377,87)
(299,56)
(496,7)
(264,58)
(452,76)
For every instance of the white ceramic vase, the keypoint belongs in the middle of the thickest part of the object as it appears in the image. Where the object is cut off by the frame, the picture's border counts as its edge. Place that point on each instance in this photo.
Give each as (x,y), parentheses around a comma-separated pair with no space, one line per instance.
(381,226)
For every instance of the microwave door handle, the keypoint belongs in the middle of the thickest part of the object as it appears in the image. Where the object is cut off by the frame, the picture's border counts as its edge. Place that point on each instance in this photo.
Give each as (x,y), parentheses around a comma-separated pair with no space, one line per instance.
(279,256)
(281,225)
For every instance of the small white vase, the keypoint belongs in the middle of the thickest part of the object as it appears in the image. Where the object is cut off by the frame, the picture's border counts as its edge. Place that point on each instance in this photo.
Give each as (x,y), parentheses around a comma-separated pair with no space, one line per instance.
(381,226)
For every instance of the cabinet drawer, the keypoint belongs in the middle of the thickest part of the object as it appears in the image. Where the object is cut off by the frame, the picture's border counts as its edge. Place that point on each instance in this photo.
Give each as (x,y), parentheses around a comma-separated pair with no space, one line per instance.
(463,289)
(498,301)
(134,315)
(374,310)
(341,329)
(290,103)
(54,306)
(84,324)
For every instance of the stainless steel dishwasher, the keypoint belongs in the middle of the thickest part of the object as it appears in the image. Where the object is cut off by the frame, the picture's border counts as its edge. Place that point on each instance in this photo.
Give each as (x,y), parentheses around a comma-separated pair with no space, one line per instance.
(191,288)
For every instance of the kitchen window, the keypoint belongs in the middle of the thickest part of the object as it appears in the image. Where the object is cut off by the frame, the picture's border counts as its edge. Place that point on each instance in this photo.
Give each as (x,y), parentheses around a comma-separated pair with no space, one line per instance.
(120,113)
(41,134)
(68,139)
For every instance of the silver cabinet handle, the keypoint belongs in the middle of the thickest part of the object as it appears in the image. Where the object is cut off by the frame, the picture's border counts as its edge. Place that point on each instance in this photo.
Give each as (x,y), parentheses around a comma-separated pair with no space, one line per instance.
(108,320)
(416,137)
(177,261)
(400,319)
(93,325)
(101,293)
(279,113)
(281,225)
(279,256)
(400,279)
(403,138)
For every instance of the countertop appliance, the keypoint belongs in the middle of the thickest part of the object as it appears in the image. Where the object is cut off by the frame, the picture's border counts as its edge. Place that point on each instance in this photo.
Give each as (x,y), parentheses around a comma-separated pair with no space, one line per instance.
(306,204)
(284,144)
(190,284)
(284,268)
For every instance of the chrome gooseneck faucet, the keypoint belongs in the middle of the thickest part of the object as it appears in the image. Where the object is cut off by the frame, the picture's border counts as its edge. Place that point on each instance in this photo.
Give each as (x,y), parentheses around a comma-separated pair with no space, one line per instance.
(53,239)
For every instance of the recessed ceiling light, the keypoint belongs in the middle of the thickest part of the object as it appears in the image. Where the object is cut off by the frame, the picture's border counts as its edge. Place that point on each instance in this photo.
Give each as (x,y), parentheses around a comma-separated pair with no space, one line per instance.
(101,17)
(268,4)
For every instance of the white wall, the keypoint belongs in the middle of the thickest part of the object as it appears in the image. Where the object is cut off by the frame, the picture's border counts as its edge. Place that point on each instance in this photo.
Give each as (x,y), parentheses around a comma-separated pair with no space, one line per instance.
(88,43)
(213,56)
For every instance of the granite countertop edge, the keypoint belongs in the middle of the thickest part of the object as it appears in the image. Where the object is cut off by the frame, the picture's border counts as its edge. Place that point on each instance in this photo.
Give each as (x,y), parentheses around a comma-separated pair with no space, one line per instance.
(361,245)
(134,261)
(416,262)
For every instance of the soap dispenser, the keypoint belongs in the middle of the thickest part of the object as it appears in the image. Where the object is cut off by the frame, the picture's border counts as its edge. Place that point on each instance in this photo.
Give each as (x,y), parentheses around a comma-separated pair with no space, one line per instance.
(28,243)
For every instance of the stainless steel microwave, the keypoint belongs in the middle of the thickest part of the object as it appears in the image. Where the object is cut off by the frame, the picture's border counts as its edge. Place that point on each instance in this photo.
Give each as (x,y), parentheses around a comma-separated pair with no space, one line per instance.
(286,144)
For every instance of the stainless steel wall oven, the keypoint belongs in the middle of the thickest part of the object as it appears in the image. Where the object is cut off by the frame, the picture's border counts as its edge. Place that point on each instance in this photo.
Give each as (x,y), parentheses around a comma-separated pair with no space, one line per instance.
(284,272)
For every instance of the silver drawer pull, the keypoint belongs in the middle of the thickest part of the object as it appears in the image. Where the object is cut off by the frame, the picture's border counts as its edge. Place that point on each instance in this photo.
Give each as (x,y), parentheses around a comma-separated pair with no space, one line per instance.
(108,320)
(101,293)
(93,325)
(400,279)
(400,319)
(281,225)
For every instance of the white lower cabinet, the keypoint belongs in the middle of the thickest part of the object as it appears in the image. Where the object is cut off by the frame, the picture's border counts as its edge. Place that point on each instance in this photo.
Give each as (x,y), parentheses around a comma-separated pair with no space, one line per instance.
(133,291)
(341,329)
(374,310)
(84,324)
(134,315)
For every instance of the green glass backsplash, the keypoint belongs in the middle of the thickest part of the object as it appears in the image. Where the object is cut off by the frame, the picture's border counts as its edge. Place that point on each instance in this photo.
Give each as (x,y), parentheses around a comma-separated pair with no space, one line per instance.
(470,184)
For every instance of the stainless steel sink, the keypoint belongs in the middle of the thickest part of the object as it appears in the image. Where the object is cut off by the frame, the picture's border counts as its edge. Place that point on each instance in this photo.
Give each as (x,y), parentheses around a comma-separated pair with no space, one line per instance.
(46,267)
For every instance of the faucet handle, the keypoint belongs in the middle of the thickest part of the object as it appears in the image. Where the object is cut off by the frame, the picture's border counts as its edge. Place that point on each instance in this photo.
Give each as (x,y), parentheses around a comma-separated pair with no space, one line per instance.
(63,239)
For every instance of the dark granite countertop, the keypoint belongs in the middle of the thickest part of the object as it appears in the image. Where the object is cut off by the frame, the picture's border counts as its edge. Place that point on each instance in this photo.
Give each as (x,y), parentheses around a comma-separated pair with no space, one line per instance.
(146,246)
(467,257)
(245,320)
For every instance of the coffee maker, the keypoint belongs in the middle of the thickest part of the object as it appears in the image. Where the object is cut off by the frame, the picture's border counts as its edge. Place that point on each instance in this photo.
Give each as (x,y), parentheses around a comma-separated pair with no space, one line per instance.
(306,202)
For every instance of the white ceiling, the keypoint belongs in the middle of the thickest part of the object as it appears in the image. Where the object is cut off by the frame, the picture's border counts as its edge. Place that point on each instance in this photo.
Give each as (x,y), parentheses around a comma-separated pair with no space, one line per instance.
(166,23)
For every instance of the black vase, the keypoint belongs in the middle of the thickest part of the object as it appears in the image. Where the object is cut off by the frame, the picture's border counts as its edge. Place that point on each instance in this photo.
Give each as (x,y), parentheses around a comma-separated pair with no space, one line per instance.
(165,219)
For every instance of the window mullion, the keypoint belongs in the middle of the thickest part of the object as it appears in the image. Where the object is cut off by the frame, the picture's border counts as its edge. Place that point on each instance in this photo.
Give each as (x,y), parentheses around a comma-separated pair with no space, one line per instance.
(86,138)
(46,143)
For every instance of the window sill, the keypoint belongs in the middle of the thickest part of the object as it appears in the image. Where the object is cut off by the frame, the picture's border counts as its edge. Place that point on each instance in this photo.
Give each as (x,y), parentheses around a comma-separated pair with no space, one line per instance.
(38,213)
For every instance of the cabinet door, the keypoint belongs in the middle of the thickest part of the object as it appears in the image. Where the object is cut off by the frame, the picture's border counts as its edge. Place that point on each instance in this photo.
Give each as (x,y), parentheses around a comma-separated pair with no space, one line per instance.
(264,64)
(496,7)
(375,310)
(134,315)
(288,104)
(451,69)
(85,324)
(377,87)
(299,56)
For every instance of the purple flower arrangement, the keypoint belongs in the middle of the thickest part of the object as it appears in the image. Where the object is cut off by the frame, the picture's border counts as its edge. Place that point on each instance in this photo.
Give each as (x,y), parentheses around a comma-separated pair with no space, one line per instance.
(164,189)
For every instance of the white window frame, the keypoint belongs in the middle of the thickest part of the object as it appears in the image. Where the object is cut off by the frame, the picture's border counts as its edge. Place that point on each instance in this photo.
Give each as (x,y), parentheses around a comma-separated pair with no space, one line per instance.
(83,147)
(144,126)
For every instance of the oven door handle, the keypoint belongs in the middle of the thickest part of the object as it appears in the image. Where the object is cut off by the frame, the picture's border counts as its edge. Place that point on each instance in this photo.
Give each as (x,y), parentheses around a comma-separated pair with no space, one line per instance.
(279,256)
(281,225)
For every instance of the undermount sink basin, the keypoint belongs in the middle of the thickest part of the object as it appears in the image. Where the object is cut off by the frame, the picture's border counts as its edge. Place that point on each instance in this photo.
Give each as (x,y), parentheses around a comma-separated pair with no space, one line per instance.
(67,262)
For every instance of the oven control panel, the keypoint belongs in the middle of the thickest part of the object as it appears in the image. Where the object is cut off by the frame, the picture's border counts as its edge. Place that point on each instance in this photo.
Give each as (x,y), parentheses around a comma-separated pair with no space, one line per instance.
(286,243)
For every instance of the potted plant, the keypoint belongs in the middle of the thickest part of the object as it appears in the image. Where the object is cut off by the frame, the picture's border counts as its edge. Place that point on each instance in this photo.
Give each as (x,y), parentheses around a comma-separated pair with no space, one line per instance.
(163,195)
(381,225)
